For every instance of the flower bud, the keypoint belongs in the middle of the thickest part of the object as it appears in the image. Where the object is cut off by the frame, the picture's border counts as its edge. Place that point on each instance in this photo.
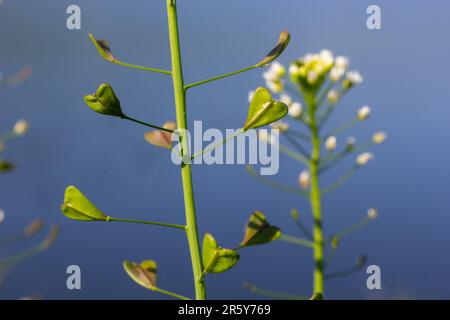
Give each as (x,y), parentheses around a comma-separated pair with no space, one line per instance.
(304,179)
(330,143)
(364,158)
(379,137)
(104,101)
(280,125)
(351,143)
(372,213)
(333,96)
(20,128)
(363,113)
(295,110)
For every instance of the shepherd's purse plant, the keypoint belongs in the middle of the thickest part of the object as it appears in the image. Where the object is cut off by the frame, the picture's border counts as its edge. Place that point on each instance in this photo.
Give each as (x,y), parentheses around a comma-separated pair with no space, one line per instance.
(263,110)
(312,87)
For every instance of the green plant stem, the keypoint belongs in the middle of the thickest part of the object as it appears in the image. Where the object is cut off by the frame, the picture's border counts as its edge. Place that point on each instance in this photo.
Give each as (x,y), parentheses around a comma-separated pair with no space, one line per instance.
(23,255)
(315,200)
(161,224)
(146,124)
(273,294)
(294,155)
(344,127)
(171,294)
(218,144)
(275,184)
(195,84)
(186,175)
(341,180)
(133,66)
(350,229)
(297,241)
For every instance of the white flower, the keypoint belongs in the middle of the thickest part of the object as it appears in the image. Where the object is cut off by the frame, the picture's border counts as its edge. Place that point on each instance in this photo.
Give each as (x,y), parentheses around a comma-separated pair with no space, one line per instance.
(20,128)
(342,62)
(312,77)
(379,137)
(286,99)
(266,137)
(327,57)
(280,125)
(354,77)
(295,110)
(364,113)
(336,73)
(330,143)
(333,96)
(275,86)
(372,213)
(250,95)
(278,69)
(364,158)
(275,72)
(294,70)
(304,179)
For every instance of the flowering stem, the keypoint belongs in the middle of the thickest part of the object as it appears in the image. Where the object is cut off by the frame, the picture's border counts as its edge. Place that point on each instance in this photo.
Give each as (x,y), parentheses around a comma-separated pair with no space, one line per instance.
(161,224)
(146,124)
(315,200)
(195,84)
(186,175)
(354,227)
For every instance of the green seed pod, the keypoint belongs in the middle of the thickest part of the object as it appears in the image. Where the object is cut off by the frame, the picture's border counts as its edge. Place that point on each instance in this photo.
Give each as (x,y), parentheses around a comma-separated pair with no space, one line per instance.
(104,101)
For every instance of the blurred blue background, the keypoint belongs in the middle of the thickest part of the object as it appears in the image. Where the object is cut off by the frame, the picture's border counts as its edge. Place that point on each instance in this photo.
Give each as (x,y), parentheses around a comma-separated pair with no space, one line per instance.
(407,76)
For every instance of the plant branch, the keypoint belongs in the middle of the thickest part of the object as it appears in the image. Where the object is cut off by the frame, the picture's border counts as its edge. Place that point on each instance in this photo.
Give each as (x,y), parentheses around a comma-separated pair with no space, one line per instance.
(297,241)
(169,293)
(240,131)
(161,224)
(195,84)
(146,124)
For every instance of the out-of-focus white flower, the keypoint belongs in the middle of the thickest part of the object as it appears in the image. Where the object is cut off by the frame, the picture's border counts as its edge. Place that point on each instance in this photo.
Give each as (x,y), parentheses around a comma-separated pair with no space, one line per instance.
(250,95)
(379,137)
(275,86)
(295,110)
(294,70)
(20,128)
(351,143)
(2,215)
(280,125)
(273,77)
(286,99)
(331,143)
(364,158)
(266,137)
(304,179)
(336,73)
(364,113)
(327,57)
(352,78)
(333,96)
(312,77)
(372,213)
(341,62)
